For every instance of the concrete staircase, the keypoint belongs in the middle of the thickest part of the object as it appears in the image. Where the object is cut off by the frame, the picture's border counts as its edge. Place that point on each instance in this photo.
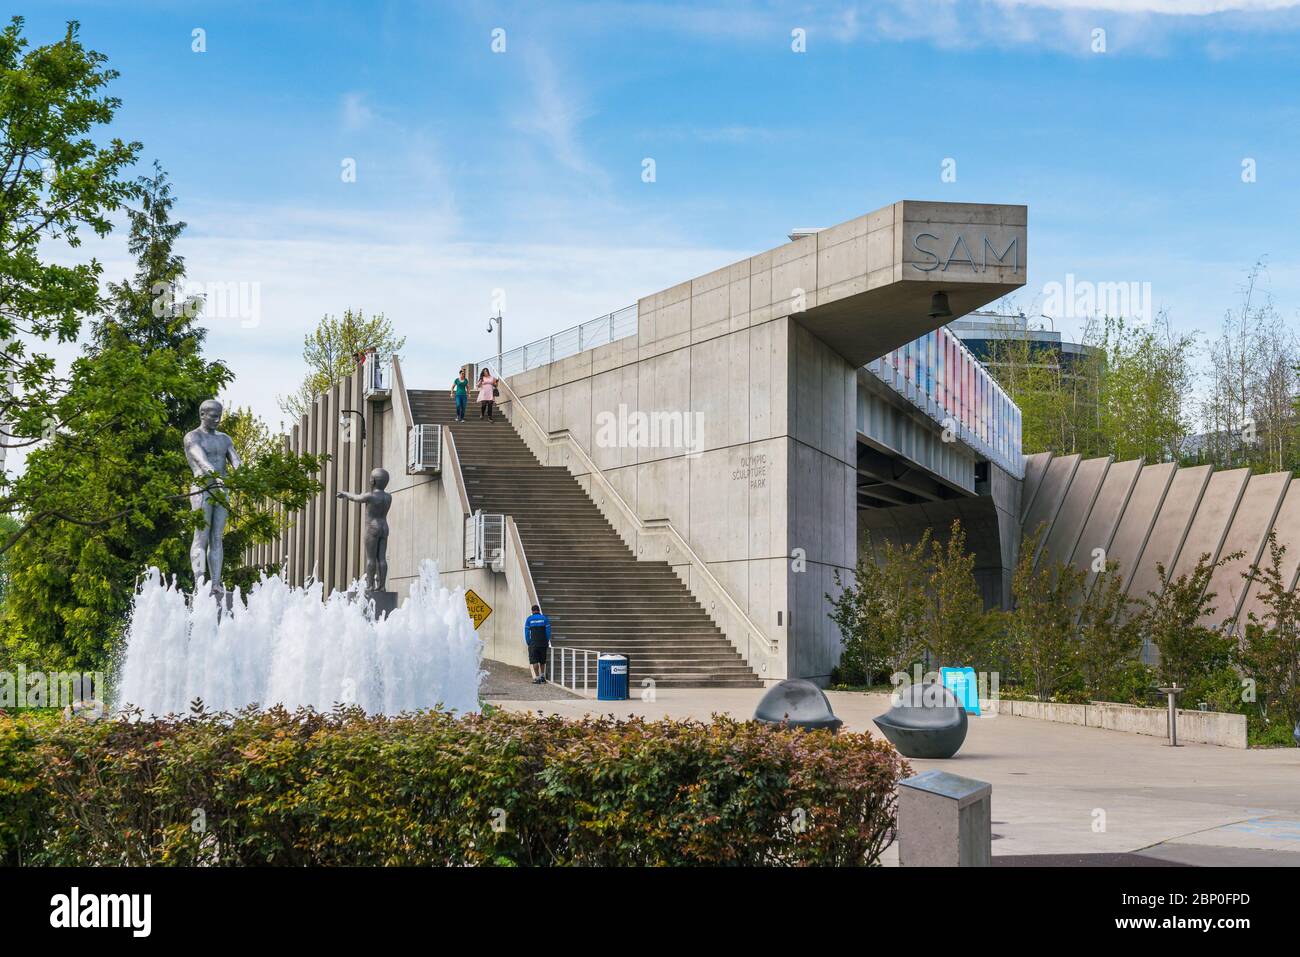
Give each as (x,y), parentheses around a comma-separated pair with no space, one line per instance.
(598,596)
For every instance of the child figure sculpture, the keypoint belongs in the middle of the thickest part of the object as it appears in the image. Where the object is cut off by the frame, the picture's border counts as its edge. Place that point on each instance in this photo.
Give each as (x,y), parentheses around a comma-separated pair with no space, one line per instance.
(377,502)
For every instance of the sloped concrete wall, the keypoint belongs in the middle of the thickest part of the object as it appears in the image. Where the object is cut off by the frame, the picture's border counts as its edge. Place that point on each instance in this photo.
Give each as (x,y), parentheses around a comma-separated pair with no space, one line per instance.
(1162,514)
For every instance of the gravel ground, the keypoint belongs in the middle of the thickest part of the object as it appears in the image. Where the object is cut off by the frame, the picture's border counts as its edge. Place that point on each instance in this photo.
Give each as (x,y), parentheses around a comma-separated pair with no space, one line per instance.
(511,683)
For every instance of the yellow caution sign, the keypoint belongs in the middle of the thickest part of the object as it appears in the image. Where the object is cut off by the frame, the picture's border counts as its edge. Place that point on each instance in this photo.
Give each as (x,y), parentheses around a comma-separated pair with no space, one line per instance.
(478,608)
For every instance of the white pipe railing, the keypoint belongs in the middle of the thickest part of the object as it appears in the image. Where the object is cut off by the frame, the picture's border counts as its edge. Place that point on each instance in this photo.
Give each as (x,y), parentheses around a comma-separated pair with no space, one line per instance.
(568,342)
(568,660)
(654,526)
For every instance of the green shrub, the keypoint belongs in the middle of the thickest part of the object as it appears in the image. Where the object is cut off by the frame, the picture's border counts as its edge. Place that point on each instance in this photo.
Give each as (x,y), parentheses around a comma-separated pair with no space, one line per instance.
(344,788)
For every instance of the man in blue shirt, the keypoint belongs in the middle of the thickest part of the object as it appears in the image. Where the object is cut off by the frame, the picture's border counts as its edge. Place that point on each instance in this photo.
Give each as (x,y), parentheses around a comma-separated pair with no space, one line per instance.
(537,636)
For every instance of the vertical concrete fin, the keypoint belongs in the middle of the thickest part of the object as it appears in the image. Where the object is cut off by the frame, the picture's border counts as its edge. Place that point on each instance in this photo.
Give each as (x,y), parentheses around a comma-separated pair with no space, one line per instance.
(1104,518)
(1140,512)
(1165,541)
(1076,507)
(1047,503)
(315,514)
(1247,532)
(1286,523)
(1213,515)
(331,507)
(1035,469)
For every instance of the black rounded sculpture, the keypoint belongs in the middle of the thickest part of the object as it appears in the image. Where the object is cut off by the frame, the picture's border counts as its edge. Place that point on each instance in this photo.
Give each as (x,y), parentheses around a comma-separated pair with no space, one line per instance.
(926,722)
(799,703)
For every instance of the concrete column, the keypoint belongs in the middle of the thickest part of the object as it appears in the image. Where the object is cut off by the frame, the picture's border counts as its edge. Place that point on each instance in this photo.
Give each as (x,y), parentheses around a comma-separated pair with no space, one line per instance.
(944,821)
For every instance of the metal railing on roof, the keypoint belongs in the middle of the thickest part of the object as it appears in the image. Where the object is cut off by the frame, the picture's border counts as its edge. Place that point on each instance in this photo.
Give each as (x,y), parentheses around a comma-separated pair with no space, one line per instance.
(569,342)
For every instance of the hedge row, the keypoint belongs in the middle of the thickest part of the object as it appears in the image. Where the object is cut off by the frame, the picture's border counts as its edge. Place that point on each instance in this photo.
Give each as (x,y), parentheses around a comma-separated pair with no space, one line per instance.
(303,788)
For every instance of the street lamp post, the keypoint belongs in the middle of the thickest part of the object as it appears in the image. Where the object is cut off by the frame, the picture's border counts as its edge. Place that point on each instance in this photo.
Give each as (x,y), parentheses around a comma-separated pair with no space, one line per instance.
(497,320)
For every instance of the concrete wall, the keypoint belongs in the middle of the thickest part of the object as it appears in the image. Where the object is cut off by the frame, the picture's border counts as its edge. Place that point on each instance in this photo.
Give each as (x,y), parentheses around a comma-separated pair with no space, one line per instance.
(1194,727)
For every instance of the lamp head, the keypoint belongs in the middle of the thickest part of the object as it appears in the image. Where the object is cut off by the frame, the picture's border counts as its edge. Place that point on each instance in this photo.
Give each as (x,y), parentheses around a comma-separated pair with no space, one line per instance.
(939,308)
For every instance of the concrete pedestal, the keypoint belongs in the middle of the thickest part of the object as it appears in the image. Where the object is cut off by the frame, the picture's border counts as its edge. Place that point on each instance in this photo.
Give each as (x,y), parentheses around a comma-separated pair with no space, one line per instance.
(385,602)
(944,821)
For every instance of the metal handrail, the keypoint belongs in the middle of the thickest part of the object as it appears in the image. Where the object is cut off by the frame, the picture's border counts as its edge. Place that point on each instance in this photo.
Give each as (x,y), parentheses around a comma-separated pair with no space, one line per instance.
(644,525)
(572,659)
(567,342)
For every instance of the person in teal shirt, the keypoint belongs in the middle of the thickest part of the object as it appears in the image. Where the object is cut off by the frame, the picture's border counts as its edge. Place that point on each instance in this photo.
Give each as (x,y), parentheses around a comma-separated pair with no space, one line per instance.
(460,392)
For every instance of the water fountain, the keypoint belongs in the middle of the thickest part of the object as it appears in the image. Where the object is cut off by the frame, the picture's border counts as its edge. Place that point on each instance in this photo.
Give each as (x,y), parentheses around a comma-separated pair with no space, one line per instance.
(287,645)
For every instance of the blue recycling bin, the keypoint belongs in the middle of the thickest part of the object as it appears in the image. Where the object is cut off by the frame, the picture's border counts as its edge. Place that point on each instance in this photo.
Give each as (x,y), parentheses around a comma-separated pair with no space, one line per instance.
(611,678)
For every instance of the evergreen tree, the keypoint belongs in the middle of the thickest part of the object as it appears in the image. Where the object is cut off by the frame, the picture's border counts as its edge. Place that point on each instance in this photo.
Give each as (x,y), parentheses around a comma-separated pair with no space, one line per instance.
(108,494)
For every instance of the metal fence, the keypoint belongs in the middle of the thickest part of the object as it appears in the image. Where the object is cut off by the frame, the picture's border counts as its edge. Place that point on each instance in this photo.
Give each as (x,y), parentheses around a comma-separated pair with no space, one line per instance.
(572,668)
(569,342)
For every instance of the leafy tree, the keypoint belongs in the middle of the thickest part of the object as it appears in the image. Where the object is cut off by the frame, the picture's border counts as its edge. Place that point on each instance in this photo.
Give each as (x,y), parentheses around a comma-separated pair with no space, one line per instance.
(1057,398)
(1124,396)
(1041,630)
(109,493)
(331,350)
(881,614)
(253,519)
(1109,638)
(1249,412)
(1143,389)
(54,181)
(957,629)
(1270,646)
(1172,619)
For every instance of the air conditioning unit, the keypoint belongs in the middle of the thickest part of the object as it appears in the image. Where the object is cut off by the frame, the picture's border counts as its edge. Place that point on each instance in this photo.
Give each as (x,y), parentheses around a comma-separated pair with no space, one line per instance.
(378,372)
(424,449)
(485,541)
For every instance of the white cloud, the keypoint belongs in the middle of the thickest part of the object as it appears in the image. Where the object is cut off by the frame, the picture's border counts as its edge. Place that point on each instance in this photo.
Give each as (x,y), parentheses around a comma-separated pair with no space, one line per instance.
(554,113)
(356,114)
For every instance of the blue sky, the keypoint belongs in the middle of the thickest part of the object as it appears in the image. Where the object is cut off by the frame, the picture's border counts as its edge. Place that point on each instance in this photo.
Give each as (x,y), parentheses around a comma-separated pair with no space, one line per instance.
(521,170)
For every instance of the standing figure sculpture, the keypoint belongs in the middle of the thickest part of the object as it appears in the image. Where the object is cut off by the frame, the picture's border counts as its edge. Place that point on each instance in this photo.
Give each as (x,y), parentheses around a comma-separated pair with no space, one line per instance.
(208,452)
(377,502)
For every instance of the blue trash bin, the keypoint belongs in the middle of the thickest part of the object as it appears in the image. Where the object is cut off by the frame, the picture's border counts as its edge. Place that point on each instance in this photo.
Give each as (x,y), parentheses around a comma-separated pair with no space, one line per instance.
(611,678)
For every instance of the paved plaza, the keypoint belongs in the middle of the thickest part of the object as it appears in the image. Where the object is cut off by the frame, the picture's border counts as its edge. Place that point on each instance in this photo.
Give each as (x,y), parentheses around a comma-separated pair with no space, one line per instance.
(1061,789)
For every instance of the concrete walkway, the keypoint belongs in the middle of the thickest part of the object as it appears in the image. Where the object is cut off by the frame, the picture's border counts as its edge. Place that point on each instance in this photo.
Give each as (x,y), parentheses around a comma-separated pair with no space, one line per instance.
(1062,789)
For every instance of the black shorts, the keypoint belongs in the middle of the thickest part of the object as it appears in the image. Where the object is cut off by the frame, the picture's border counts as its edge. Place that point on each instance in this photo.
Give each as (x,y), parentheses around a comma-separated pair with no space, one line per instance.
(537,652)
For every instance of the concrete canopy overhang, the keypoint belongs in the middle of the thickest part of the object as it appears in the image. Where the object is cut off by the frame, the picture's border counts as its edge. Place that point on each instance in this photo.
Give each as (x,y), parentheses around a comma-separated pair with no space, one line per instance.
(876,275)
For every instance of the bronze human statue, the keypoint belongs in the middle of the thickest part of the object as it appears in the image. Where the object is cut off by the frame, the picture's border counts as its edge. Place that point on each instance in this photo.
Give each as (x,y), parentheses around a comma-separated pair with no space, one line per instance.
(208,452)
(377,502)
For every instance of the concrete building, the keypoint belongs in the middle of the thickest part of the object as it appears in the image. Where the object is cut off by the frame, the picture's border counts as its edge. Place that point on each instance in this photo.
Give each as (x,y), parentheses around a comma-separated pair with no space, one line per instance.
(681,480)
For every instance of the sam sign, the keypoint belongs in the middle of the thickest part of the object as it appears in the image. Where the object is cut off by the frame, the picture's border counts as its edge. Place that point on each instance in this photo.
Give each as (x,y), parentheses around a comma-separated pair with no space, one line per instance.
(478,609)
(961,682)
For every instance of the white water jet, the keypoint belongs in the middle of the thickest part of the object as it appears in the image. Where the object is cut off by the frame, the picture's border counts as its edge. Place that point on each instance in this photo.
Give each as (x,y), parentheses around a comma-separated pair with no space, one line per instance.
(285,645)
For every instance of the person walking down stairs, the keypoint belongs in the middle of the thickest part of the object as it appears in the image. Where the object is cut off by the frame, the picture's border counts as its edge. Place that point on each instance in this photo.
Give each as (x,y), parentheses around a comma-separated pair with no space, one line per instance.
(487,393)
(460,392)
(537,636)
